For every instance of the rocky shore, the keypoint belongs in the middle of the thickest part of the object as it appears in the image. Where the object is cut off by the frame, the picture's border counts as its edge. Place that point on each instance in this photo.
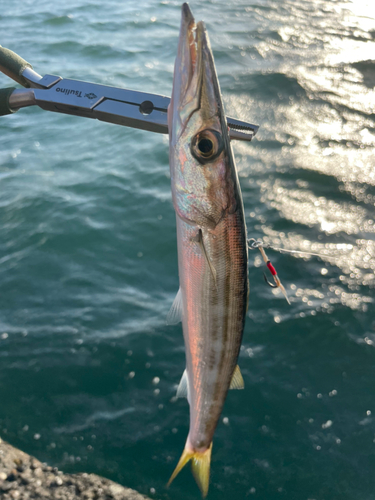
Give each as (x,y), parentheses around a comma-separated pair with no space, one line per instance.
(23,477)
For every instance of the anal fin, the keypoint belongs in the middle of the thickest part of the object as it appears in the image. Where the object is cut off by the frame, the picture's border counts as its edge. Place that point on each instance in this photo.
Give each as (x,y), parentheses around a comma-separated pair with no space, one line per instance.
(183,388)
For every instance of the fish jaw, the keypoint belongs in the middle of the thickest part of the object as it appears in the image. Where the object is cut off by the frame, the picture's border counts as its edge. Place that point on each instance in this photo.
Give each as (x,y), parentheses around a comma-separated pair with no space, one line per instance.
(195,85)
(185,64)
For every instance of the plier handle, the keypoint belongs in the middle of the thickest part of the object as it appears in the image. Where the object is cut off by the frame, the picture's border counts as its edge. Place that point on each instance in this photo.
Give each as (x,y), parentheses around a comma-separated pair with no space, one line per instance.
(109,104)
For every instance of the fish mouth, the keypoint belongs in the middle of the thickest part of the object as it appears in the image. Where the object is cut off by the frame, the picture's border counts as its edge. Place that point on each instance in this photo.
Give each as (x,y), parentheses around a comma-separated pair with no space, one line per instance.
(195,83)
(186,60)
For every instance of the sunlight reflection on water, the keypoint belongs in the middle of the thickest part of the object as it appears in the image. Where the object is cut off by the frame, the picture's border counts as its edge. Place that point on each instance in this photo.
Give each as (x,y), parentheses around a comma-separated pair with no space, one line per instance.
(319,121)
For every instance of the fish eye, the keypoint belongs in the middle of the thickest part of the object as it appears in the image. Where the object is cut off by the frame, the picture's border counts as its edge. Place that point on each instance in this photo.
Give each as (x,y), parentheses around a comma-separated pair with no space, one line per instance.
(206,146)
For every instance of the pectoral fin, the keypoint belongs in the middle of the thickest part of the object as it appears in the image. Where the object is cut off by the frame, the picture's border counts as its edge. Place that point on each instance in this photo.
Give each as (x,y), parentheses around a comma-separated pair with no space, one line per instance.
(237,380)
(200,241)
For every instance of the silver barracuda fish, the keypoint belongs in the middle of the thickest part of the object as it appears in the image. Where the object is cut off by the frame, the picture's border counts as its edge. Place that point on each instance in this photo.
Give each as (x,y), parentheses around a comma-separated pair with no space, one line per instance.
(211,237)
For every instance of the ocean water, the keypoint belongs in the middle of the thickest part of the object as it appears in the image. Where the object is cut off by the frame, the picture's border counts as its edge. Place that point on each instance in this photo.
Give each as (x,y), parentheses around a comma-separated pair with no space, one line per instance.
(88,261)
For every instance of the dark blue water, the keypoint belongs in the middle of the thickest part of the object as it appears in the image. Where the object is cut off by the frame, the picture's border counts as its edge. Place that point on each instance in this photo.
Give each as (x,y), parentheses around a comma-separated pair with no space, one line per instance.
(88,261)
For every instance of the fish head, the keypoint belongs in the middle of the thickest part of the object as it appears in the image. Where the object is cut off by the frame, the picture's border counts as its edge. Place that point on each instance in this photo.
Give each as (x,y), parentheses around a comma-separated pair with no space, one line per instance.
(201,160)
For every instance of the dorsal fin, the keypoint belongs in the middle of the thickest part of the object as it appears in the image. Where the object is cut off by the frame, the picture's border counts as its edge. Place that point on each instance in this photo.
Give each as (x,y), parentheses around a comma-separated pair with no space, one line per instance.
(237,380)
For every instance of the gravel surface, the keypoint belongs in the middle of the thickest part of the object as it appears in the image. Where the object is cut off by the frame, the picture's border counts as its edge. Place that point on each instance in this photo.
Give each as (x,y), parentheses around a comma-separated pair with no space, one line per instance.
(23,477)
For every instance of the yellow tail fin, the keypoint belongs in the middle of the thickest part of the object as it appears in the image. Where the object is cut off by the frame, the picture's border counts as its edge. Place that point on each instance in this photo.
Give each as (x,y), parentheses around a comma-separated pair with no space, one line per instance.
(200,466)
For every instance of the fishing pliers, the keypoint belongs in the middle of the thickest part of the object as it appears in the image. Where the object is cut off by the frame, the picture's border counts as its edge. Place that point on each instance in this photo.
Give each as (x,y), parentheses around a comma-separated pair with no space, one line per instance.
(109,104)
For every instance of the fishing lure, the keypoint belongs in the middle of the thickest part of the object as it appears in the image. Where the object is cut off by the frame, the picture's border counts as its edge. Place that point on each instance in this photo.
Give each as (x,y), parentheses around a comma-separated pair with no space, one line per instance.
(254,244)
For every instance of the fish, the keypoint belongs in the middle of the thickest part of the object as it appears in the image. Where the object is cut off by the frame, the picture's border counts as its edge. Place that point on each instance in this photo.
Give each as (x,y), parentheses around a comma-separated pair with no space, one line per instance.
(211,241)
